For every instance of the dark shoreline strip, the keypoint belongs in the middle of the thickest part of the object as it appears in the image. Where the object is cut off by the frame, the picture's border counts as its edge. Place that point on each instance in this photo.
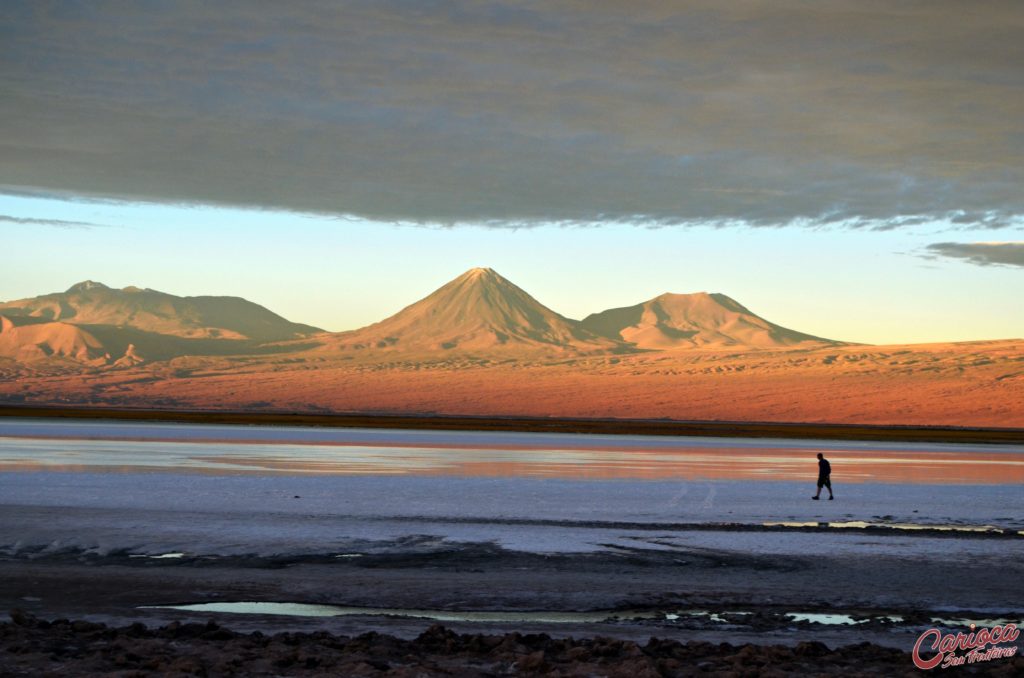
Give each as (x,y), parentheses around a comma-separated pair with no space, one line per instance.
(651,427)
(36,646)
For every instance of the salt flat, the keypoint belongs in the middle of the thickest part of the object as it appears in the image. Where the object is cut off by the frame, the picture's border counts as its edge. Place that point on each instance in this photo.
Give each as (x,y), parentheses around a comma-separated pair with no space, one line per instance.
(101,520)
(267,515)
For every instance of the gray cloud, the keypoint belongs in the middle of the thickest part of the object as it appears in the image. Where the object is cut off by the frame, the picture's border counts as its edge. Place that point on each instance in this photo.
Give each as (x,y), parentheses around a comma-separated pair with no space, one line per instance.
(981,253)
(56,223)
(860,113)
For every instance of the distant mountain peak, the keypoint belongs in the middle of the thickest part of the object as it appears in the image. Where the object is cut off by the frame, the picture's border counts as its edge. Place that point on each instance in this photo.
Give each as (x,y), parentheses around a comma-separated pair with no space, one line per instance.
(478,311)
(482,275)
(701,319)
(85,286)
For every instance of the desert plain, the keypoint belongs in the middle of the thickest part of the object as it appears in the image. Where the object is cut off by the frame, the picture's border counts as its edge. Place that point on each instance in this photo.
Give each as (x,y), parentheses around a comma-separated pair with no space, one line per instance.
(482,346)
(972,384)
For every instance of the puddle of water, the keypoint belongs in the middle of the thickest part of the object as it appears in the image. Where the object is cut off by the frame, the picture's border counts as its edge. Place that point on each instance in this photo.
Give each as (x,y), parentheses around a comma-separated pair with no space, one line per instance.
(312,610)
(861,524)
(545,617)
(713,616)
(162,556)
(840,619)
(285,609)
(830,619)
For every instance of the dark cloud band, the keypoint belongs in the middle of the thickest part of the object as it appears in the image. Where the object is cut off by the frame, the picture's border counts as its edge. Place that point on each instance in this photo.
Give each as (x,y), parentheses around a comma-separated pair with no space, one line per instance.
(981,253)
(859,113)
(55,223)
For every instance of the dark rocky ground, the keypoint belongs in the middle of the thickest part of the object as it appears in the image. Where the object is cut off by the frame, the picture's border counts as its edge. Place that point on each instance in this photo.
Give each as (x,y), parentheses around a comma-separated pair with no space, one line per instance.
(110,597)
(32,647)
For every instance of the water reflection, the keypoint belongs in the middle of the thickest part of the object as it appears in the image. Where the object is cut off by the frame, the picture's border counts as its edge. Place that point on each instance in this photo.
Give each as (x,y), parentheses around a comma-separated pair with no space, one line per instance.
(686,461)
(555,617)
(829,619)
(315,610)
(863,524)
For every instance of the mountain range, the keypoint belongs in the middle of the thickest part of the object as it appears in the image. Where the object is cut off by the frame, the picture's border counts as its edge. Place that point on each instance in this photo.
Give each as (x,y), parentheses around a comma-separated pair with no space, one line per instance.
(207,317)
(480,313)
(97,325)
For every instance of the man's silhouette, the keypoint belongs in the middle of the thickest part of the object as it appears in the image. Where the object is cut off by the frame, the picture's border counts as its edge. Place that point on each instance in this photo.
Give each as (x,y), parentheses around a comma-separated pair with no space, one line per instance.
(824,476)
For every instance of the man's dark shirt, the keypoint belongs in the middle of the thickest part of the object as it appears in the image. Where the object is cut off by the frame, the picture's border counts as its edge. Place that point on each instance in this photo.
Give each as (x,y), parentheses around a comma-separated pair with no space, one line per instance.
(824,468)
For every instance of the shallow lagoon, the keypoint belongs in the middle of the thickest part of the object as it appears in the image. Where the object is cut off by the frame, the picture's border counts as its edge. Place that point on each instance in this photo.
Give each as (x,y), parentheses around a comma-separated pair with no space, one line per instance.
(31,445)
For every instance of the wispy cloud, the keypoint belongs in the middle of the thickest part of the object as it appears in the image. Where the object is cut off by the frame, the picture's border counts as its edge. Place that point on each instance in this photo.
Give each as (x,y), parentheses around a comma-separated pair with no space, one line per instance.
(981,253)
(55,223)
(850,113)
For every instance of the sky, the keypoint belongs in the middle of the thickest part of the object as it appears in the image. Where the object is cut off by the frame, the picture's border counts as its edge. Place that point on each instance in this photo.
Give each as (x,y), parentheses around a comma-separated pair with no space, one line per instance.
(850,169)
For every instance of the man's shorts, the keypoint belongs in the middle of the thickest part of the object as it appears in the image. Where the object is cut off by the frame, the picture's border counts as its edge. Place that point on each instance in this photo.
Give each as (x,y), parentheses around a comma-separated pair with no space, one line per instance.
(825,481)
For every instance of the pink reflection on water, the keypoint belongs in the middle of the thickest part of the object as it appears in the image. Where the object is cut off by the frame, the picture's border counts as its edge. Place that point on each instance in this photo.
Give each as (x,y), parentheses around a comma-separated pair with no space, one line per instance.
(685,462)
(690,464)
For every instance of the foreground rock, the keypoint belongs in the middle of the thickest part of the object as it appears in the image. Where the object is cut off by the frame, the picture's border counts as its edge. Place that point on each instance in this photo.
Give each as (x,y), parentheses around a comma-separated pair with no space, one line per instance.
(29,646)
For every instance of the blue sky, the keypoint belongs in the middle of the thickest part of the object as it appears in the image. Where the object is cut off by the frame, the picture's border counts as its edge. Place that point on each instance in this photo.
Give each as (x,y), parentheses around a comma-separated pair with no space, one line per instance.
(855,285)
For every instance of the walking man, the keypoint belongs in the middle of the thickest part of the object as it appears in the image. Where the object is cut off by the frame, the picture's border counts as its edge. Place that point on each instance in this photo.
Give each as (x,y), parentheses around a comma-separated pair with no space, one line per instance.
(824,476)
